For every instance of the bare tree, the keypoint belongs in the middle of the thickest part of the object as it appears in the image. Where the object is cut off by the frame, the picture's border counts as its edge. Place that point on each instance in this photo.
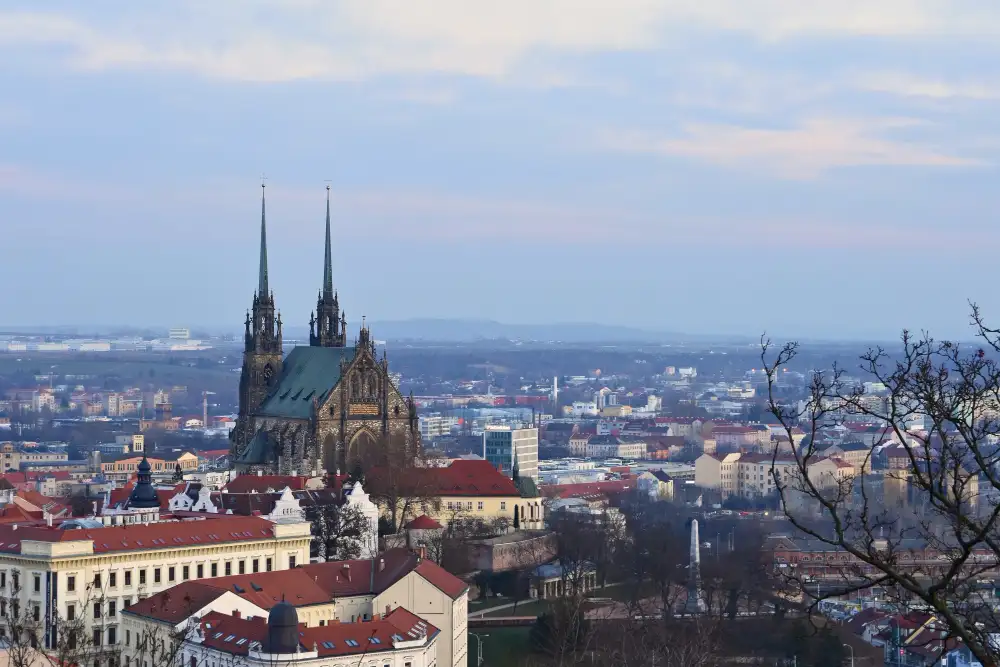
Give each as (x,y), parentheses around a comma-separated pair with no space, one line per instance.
(926,529)
(339,531)
(34,639)
(399,484)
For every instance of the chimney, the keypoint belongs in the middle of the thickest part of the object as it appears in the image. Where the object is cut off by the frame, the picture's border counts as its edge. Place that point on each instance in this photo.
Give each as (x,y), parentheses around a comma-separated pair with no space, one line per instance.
(260,473)
(48,519)
(236,613)
(422,552)
(381,564)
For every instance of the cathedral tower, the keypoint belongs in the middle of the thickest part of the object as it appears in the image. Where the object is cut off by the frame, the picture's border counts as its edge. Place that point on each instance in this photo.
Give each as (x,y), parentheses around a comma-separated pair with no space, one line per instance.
(327,326)
(262,349)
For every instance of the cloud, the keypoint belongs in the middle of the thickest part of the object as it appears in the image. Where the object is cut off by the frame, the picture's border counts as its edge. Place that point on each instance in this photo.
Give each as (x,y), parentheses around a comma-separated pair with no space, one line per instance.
(801,152)
(273,40)
(909,85)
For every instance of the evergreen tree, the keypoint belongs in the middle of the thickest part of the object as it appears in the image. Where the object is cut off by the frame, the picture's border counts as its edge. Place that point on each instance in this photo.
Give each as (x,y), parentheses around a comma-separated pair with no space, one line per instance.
(517,517)
(178,474)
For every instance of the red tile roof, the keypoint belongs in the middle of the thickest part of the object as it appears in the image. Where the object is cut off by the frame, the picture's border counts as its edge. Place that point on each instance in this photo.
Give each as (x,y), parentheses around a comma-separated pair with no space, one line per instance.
(261,483)
(369,637)
(313,584)
(423,522)
(464,477)
(611,487)
(152,536)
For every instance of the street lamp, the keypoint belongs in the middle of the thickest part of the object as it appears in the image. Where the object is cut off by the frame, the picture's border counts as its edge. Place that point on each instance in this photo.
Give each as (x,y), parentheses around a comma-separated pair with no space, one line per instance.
(852,653)
(479,641)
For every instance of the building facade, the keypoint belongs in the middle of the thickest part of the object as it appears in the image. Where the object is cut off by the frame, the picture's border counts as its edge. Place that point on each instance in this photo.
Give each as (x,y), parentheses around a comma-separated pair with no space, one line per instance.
(62,572)
(326,407)
(505,446)
(326,595)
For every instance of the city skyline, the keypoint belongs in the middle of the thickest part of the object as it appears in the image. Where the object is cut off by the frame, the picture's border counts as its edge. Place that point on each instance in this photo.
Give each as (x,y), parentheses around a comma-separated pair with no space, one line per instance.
(706,168)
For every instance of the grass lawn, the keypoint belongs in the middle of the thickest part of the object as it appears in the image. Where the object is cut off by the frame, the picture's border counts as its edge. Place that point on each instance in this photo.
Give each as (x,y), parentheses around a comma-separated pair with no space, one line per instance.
(503,647)
(623,591)
(487,603)
(527,607)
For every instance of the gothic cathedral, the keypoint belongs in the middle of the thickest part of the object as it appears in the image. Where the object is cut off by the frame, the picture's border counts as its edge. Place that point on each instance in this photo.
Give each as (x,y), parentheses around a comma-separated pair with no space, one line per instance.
(326,407)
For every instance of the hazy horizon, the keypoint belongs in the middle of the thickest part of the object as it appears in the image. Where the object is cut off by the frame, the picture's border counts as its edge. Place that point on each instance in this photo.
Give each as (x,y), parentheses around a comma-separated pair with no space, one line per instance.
(720,167)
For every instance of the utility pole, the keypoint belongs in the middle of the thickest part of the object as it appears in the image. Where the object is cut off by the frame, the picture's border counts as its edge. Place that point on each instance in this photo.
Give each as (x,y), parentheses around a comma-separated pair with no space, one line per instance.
(479,642)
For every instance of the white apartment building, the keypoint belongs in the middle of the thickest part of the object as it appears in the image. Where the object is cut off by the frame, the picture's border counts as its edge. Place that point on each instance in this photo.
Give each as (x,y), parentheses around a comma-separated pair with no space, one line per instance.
(82,567)
(328,595)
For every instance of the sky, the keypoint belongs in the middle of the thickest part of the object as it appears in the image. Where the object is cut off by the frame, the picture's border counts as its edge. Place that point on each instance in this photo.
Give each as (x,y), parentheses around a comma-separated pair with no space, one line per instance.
(820,168)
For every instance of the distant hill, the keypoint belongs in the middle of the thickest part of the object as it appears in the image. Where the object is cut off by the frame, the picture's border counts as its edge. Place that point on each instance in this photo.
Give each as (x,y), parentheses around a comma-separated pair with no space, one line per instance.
(461,330)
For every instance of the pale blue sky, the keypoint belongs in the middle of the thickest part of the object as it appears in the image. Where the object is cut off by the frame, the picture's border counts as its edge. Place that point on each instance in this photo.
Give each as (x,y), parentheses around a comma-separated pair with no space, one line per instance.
(821,168)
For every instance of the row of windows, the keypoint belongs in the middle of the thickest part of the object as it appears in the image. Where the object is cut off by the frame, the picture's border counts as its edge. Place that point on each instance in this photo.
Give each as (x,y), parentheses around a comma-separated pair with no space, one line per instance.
(185,572)
(157,575)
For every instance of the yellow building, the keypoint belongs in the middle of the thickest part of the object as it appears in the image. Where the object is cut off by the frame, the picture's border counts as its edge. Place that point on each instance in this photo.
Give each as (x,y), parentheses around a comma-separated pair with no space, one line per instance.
(13,456)
(616,411)
(123,469)
(464,489)
(62,573)
(323,594)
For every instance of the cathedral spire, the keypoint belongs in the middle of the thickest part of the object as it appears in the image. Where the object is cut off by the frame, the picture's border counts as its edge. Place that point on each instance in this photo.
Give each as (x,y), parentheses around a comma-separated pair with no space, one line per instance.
(328,255)
(262,289)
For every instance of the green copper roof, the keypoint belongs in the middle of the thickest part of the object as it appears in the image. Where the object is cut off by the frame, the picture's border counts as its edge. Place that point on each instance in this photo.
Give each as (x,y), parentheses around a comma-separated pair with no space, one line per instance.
(259,450)
(262,289)
(307,373)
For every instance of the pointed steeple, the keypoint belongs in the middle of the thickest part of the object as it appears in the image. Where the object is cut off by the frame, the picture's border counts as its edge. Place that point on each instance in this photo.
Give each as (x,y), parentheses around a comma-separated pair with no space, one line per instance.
(262,289)
(328,255)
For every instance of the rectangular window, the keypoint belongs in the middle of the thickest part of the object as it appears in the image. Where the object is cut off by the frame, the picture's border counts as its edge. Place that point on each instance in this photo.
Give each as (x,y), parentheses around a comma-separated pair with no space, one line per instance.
(3,579)
(503,506)
(170,574)
(156,575)
(38,584)
(15,580)
(112,608)
(97,636)
(36,613)
(128,637)
(113,579)
(126,602)
(291,562)
(480,505)
(256,565)
(267,565)
(243,567)
(186,571)
(229,568)
(215,569)
(112,636)
(71,612)
(128,577)
(97,610)
(97,580)
(142,577)
(201,571)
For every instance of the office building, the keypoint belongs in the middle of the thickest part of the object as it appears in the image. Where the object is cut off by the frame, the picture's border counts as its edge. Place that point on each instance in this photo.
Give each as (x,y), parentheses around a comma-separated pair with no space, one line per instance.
(502,445)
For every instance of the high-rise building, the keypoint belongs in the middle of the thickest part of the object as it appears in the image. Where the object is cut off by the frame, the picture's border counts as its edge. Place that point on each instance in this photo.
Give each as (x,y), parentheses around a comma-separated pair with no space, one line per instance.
(504,446)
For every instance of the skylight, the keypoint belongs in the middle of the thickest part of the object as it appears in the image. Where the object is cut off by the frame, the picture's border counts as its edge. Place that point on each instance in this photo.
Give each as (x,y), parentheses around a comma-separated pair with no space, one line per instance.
(241,641)
(328,645)
(216,635)
(376,640)
(351,642)
(230,638)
